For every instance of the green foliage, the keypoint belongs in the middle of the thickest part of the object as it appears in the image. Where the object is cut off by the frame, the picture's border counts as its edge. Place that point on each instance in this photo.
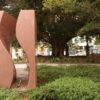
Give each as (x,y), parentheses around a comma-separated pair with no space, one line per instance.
(89,71)
(67,89)
(50,73)
(67,5)
(15,42)
(92,28)
(73,88)
(2,2)
(61,19)
(6,94)
(98,41)
(62,82)
(32,4)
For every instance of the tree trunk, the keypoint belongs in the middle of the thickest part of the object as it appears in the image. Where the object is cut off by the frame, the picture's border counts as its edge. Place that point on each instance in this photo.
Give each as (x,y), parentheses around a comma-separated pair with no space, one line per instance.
(87,46)
(67,50)
(87,50)
(58,49)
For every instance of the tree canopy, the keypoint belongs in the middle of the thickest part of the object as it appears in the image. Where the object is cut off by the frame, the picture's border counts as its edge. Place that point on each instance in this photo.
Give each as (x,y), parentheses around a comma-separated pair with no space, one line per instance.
(93,26)
(58,21)
(62,20)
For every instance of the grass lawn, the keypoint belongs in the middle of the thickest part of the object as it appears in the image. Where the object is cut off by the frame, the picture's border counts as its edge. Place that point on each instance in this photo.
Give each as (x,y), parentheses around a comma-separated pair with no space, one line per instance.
(87,78)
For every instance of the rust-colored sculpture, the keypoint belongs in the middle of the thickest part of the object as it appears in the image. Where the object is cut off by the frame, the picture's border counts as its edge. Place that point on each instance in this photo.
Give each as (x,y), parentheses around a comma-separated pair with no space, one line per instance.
(7,30)
(25,33)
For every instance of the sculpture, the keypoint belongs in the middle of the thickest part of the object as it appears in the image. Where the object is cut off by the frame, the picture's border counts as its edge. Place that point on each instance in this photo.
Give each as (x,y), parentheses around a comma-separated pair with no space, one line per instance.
(7,30)
(25,33)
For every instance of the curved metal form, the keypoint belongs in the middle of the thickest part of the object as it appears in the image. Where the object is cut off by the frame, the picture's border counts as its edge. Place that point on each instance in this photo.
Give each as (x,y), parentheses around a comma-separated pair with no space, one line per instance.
(25,33)
(7,30)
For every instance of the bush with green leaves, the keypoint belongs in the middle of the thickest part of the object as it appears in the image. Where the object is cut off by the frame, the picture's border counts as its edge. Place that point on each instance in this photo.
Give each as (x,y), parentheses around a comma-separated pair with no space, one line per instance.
(7,94)
(50,73)
(66,89)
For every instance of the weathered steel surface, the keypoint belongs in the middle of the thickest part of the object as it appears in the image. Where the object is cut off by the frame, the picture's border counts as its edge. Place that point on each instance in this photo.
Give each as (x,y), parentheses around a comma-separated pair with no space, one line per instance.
(7,30)
(25,33)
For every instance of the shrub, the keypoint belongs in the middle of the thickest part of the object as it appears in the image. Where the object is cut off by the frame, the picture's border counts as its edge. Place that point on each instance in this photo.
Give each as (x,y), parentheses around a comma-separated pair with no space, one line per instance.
(6,94)
(50,73)
(77,59)
(66,89)
(90,71)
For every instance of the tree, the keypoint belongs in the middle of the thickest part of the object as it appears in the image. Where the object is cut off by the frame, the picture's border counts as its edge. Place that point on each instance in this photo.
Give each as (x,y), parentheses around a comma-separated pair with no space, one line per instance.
(60,22)
(2,3)
(92,28)
(54,27)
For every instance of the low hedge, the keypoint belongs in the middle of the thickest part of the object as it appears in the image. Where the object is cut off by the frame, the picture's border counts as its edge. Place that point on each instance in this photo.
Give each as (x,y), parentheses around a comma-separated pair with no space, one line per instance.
(66,89)
(7,94)
(93,58)
(48,73)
